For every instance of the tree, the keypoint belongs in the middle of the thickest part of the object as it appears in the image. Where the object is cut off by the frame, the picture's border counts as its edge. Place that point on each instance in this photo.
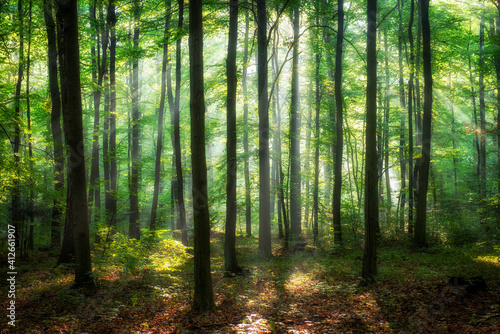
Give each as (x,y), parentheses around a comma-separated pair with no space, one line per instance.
(295,120)
(263,103)
(77,193)
(94,183)
(17,218)
(134,227)
(248,198)
(161,111)
(423,175)
(482,110)
(410,116)
(203,290)
(112,160)
(402,131)
(174,105)
(337,183)
(55,126)
(369,271)
(230,260)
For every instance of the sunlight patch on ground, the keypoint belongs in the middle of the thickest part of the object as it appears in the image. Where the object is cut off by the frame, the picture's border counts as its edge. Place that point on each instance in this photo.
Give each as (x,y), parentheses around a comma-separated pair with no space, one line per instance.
(302,283)
(489,259)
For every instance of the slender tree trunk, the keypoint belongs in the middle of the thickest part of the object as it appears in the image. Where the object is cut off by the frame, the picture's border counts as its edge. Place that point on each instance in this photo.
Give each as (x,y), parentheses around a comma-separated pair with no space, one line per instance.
(203,291)
(410,117)
(17,217)
(161,111)
(453,134)
(230,261)
(134,227)
(248,199)
(474,106)
(482,111)
(264,177)
(423,176)
(113,171)
(339,144)
(94,187)
(295,120)
(497,70)
(402,142)
(182,224)
(77,194)
(30,145)
(277,136)
(177,184)
(317,107)
(55,125)
(387,106)
(369,271)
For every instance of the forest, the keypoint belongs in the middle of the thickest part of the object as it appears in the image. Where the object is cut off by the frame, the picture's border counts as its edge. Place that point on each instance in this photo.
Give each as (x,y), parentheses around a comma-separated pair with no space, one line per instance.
(258,166)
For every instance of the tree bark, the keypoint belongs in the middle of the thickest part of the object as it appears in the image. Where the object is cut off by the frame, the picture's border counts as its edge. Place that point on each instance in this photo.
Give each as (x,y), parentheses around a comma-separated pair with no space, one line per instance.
(17,216)
(94,197)
(230,261)
(55,125)
(317,107)
(113,171)
(369,271)
(77,194)
(410,116)
(248,198)
(264,177)
(174,105)
(203,291)
(402,141)
(387,106)
(134,227)
(339,143)
(295,120)
(161,111)
(482,111)
(423,175)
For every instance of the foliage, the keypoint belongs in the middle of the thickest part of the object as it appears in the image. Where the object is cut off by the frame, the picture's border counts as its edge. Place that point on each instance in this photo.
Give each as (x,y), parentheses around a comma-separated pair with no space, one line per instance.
(128,256)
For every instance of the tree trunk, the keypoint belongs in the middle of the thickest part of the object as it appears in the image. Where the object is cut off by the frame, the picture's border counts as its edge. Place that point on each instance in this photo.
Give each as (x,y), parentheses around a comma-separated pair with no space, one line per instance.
(402,143)
(230,260)
(55,122)
(161,111)
(387,106)
(410,116)
(339,143)
(113,171)
(30,145)
(369,271)
(246,153)
(423,175)
(94,198)
(77,194)
(317,107)
(482,110)
(17,217)
(277,160)
(203,291)
(182,224)
(497,70)
(134,227)
(264,177)
(68,245)
(295,120)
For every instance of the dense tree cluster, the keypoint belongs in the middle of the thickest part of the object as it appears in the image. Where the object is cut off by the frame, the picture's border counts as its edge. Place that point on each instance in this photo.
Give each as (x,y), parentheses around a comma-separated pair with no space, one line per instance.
(294,119)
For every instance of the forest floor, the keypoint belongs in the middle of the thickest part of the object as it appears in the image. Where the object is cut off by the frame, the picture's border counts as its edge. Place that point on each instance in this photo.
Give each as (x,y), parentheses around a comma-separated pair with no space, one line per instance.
(312,290)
